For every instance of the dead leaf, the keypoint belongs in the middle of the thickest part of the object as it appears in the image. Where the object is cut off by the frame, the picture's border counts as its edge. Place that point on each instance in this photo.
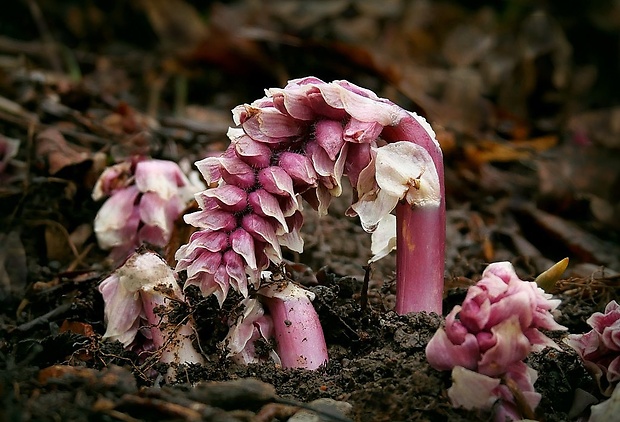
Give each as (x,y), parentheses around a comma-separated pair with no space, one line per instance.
(58,154)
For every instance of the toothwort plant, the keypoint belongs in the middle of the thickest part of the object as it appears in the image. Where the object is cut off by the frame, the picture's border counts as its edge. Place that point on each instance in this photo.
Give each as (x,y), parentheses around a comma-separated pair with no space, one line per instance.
(298,142)
(486,339)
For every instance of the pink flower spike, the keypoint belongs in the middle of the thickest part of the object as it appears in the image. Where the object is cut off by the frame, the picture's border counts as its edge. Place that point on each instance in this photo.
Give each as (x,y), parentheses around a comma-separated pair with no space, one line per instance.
(142,293)
(298,332)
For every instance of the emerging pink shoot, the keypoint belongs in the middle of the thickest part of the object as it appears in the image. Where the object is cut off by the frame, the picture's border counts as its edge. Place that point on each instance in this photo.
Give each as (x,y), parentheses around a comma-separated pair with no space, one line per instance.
(298,332)
(485,340)
(146,196)
(600,347)
(139,298)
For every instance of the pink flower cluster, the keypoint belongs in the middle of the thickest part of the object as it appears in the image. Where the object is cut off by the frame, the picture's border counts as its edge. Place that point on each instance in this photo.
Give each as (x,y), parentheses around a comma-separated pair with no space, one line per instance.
(146,196)
(600,347)
(498,325)
(298,142)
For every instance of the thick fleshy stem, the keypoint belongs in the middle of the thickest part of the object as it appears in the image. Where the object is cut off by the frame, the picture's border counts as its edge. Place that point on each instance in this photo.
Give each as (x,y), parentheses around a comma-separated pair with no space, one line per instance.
(420,234)
(420,238)
(298,331)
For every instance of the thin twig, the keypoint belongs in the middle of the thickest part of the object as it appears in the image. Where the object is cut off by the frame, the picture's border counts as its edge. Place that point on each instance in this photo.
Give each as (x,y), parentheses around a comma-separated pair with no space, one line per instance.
(45,317)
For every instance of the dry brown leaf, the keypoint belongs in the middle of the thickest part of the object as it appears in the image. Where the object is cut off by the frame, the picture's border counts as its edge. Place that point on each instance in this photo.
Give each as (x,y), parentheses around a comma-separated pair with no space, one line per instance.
(52,147)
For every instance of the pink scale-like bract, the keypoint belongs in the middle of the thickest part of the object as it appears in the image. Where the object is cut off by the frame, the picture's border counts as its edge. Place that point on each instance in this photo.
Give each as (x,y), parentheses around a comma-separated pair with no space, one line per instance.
(600,347)
(297,142)
(487,337)
(146,196)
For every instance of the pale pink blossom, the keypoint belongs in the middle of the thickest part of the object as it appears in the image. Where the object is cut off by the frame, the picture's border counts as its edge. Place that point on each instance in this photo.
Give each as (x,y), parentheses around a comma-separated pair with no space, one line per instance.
(600,347)
(145,198)
(138,298)
(490,334)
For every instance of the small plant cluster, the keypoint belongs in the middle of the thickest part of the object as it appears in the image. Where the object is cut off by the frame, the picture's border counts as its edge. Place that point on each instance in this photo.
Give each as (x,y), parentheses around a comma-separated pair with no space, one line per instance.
(486,339)
(145,197)
(295,143)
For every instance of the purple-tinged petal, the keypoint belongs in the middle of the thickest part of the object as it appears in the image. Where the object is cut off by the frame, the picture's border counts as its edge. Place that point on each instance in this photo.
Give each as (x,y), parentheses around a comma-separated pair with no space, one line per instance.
(511,345)
(235,172)
(292,239)
(117,221)
(329,135)
(229,198)
(205,262)
(455,330)
(299,167)
(471,390)
(295,103)
(122,311)
(362,132)
(277,181)
(156,211)
(222,279)
(254,153)
(263,231)
(476,309)
(599,321)
(538,340)
(266,205)
(210,169)
(211,220)
(113,178)
(236,270)
(270,125)
(160,176)
(242,242)
(363,108)
(359,158)
(443,355)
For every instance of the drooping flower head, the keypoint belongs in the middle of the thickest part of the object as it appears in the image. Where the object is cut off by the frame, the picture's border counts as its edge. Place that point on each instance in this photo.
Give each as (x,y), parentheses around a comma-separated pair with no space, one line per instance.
(600,347)
(298,142)
(496,327)
(146,196)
